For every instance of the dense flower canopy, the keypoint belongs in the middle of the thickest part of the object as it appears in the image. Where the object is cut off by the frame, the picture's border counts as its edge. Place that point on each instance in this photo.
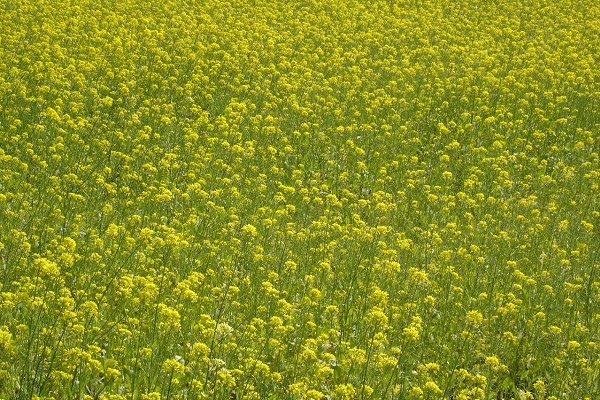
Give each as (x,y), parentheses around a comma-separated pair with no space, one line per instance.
(299,199)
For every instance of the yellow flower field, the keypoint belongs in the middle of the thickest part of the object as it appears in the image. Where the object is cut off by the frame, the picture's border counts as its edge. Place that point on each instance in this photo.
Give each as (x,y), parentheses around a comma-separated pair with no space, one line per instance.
(350,199)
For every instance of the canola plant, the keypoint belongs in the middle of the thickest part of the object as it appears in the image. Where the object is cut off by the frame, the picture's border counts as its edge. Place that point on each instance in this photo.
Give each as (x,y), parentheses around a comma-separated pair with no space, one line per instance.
(304,199)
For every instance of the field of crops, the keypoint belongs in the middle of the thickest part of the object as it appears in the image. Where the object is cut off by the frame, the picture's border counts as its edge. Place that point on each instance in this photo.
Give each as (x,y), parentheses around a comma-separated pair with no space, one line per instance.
(301,199)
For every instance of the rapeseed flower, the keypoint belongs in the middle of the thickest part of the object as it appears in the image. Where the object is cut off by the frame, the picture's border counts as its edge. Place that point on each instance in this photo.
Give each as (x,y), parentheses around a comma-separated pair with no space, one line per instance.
(255,199)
